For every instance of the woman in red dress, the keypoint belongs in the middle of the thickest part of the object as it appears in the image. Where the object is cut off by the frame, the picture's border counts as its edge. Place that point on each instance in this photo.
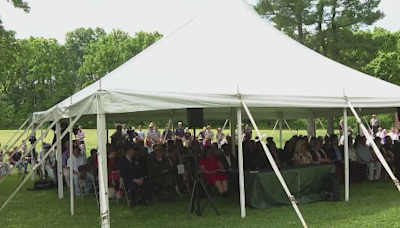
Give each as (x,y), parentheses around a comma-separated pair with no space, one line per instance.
(210,167)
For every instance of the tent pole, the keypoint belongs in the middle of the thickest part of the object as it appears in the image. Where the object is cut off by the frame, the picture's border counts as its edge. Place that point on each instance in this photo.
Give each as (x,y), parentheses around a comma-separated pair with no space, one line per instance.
(241,169)
(233,135)
(45,156)
(20,136)
(59,162)
(25,153)
(19,129)
(27,137)
(273,130)
(280,131)
(71,173)
(172,125)
(102,166)
(287,125)
(322,125)
(275,167)
(34,149)
(346,157)
(374,147)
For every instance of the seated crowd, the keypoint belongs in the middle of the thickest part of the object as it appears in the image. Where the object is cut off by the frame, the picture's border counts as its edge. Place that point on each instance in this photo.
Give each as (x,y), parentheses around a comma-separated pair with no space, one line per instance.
(152,161)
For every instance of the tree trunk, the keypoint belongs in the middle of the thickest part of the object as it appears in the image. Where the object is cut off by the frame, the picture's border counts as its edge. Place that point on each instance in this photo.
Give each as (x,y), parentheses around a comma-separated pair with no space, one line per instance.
(311,127)
(330,127)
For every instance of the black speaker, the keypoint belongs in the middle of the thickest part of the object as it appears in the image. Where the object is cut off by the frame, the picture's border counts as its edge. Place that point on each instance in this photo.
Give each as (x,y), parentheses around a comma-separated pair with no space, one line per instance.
(195,117)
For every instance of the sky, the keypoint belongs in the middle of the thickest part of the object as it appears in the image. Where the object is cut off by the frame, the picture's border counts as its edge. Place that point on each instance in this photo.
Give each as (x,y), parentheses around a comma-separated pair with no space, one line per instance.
(54,18)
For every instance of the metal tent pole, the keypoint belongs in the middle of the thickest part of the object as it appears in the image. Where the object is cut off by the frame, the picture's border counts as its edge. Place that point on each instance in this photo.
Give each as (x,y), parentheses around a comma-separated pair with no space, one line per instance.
(233,134)
(280,131)
(46,155)
(346,157)
(374,146)
(71,172)
(273,130)
(241,169)
(59,162)
(275,167)
(19,129)
(102,168)
(287,125)
(27,152)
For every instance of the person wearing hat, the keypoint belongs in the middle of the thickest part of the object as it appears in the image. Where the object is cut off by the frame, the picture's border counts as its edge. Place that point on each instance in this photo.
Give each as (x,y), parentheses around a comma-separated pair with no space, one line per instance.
(375,123)
(179,131)
(160,170)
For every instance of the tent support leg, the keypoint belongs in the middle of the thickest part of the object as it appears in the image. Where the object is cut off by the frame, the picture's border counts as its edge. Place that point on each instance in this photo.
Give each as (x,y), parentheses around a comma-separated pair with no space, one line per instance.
(273,130)
(46,155)
(71,173)
(33,133)
(102,168)
(16,133)
(280,131)
(233,135)
(241,169)
(374,146)
(287,125)
(274,166)
(25,153)
(59,162)
(346,158)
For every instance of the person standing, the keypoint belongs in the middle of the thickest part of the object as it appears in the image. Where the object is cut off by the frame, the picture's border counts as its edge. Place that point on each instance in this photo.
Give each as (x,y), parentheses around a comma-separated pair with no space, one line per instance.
(167,133)
(341,127)
(209,134)
(140,134)
(151,138)
(179,132)
(80,136)
(375,123)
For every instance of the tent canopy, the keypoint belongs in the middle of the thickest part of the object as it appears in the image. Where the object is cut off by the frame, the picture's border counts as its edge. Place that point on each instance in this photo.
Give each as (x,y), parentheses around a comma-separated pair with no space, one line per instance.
(224,54)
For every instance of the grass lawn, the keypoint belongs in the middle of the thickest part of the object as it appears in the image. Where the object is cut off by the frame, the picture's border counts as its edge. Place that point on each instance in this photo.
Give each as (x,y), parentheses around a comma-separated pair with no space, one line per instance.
(372,204)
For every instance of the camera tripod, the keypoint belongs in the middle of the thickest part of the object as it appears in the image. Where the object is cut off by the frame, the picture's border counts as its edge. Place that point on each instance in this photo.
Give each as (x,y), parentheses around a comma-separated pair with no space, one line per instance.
(197,184)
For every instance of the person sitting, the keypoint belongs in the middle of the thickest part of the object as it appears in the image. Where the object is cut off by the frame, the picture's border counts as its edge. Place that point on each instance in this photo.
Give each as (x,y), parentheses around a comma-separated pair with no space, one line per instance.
(134,177)
(357,168)
(334,152)
(317,153)
(210,166)
(230,164)
(175,159)
(288,152)
(327,144)
(114,175)
(74,163)
(301,155)
(160,170)
(117,137)
(250,156)
(276,153)
(365,156)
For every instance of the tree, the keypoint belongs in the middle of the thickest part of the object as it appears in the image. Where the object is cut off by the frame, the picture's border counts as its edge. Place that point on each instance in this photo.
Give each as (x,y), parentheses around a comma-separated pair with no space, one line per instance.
(20,4)
(111,51)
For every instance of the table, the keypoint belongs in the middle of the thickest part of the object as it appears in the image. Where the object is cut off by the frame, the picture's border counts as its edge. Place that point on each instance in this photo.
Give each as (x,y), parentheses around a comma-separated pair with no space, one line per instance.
(305,182)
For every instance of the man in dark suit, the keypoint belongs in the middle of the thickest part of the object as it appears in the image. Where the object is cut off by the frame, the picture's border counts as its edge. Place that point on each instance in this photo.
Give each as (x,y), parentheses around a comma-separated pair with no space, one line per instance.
(160,170)
(230,164)
(336,155)
(134,178)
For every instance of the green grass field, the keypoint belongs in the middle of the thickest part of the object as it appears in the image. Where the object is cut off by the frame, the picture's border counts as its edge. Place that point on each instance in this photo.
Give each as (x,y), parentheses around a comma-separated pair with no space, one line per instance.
(372,204)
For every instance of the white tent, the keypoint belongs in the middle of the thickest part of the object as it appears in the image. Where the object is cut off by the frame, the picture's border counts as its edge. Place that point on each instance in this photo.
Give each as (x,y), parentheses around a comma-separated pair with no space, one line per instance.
(226,51)
(226,57)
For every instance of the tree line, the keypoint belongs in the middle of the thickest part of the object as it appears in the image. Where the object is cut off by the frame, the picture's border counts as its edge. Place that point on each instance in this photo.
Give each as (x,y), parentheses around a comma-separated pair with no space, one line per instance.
(37,73)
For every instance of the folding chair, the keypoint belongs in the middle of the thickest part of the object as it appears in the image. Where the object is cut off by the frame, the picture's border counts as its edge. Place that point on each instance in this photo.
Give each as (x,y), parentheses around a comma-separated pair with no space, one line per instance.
(82,185)
(126,192)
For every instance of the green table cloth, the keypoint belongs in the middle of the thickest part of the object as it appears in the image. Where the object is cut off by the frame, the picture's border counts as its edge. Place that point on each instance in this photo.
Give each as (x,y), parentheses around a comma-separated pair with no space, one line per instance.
(305,182)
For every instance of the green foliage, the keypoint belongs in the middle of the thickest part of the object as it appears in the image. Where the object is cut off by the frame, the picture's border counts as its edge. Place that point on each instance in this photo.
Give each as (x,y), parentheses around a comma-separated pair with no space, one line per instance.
(37,73)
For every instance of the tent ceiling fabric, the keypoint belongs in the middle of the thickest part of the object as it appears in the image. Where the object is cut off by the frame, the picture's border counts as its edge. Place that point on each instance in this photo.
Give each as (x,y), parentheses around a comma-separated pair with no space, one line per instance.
(226,53)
